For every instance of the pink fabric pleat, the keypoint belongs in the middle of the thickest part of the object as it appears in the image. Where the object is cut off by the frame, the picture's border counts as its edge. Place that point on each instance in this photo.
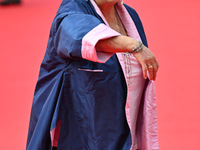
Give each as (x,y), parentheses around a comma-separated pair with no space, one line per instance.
(55,134)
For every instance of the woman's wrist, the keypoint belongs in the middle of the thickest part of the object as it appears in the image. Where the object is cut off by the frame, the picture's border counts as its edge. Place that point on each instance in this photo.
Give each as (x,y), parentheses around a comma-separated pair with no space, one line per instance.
(138,48)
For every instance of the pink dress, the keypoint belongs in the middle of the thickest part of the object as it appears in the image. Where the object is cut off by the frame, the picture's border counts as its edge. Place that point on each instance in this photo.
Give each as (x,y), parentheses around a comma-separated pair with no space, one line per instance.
(141,118)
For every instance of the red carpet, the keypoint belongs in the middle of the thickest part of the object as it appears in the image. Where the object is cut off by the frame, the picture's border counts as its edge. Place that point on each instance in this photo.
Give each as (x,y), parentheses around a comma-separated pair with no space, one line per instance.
(172,29)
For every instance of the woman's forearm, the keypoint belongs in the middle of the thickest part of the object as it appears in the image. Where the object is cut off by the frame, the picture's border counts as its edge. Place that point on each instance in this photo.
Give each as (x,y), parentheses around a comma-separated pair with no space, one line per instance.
(117,44)
(124,44)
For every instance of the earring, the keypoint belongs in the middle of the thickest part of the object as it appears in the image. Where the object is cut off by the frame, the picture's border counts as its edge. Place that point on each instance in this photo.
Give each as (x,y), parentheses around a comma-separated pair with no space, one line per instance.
(121,2)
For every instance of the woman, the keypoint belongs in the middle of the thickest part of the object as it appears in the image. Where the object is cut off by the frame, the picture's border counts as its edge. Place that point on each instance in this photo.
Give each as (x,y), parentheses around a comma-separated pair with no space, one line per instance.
(95,66)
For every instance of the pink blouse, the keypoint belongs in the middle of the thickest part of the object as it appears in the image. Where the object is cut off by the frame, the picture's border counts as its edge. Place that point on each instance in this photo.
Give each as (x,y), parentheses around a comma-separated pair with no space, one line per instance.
(141,109)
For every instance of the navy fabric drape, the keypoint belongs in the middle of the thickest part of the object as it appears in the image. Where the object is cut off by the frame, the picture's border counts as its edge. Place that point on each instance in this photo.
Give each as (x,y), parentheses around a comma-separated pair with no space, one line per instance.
(89,105)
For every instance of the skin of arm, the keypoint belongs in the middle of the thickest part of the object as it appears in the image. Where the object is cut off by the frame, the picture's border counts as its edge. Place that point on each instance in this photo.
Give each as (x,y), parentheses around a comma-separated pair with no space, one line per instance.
(117,44)
(125,44)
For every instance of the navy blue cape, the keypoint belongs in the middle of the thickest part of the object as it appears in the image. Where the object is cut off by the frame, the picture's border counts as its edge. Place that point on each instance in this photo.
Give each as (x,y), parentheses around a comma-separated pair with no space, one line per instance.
(89,107)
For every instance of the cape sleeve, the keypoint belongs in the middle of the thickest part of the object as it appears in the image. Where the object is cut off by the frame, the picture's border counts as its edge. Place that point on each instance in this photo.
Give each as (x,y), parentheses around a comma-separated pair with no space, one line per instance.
(77,35)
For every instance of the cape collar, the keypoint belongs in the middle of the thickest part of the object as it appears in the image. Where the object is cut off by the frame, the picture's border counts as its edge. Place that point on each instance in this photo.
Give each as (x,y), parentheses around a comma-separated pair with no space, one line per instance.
(119,1)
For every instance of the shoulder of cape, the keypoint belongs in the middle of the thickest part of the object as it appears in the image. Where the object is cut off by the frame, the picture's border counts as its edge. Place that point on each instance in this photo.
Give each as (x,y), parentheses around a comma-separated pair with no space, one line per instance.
(134,15)
(131,11)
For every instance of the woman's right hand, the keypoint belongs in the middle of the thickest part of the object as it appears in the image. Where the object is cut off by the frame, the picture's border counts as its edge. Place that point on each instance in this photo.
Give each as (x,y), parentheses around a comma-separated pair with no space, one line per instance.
(124,44)
(148,62)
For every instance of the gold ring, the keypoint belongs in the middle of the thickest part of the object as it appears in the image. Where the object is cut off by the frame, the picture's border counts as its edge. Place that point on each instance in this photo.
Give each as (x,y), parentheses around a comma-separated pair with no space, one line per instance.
(150,67)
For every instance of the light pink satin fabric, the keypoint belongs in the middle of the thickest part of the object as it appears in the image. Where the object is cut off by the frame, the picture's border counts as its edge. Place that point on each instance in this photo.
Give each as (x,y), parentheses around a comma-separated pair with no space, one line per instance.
(55,134)
(89,41)
(141,100)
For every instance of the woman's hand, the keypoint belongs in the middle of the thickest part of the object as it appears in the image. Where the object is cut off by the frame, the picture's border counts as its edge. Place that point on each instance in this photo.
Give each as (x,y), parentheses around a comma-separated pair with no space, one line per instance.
(148,61)
(124,44)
